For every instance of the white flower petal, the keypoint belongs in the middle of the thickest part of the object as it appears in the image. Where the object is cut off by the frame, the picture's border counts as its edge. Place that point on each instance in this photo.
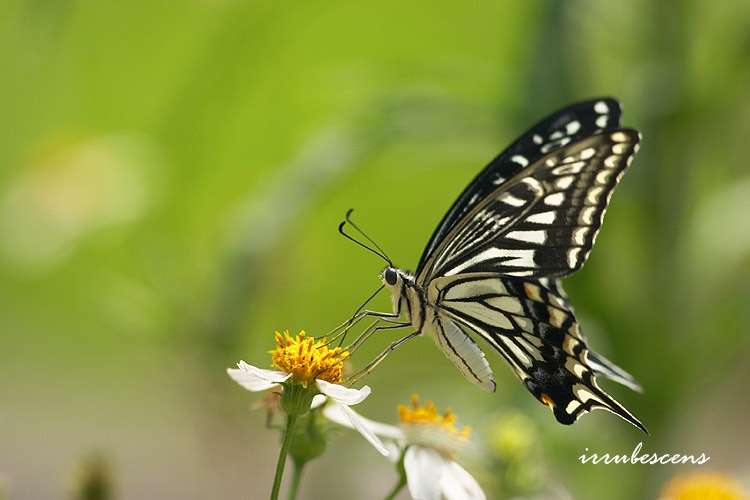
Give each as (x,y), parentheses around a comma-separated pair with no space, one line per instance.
(343,395)
(457,484)
(335,413)
(424,468)
(269,375)
(317,401)
(357,424)
(256,379)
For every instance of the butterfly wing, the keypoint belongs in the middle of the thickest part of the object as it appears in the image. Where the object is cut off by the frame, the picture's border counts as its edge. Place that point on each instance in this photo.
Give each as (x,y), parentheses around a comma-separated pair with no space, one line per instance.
(542,222)
(600,364)
(566,126)
(536,333)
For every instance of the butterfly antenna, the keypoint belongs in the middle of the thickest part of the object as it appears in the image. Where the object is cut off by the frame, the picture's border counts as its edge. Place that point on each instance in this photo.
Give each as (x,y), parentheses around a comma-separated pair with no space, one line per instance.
(348,237)
(360,231)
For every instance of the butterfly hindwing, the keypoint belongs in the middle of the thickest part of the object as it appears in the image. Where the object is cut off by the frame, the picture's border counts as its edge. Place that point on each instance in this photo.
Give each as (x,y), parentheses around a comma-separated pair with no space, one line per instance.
(563,127)
(536,333)
(543,222)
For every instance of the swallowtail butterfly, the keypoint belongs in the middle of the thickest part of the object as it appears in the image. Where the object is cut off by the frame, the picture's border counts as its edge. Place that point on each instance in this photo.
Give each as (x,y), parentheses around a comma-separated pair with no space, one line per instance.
(492,267)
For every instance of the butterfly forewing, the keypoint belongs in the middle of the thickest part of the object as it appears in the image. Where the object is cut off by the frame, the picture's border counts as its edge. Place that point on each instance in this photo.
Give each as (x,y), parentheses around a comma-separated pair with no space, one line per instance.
(543,222)
(564,127)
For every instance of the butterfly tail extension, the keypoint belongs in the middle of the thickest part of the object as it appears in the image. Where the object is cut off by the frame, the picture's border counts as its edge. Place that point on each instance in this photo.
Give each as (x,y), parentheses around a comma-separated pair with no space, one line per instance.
(572,399)
(605,367)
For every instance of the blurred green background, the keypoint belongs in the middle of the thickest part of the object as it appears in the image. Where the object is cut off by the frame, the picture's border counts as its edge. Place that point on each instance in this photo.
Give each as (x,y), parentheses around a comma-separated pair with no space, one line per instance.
(171,179)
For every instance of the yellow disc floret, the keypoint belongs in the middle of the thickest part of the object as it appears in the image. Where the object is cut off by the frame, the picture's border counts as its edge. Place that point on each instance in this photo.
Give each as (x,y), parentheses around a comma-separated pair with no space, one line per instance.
(703,486)
(308,359)
(425,425)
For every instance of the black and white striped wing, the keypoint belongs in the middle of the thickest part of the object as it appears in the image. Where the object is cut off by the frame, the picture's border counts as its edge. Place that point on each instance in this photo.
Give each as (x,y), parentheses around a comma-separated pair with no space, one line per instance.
(597,362)
(543,222)
(536,333)
(561,128)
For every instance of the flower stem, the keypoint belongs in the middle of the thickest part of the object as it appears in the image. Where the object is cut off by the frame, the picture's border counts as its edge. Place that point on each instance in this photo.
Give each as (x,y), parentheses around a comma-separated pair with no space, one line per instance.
(401,477)
(296,476)
(396,488)
(291,419)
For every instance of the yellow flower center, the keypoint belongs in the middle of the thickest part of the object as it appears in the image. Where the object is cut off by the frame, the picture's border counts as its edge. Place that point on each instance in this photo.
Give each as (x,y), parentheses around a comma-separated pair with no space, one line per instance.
(427,415)
(308,359)
(703,486)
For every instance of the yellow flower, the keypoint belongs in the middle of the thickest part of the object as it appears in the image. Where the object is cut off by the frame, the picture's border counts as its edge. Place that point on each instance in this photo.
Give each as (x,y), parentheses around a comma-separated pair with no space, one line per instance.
(307,359)
(703,486)
(427,414)
(307,376)
(424,424)
(423,448)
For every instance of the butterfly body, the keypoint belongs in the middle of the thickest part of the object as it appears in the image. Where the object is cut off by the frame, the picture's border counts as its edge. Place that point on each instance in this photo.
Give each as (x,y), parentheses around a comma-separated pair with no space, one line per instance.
(421,309)
(492,268)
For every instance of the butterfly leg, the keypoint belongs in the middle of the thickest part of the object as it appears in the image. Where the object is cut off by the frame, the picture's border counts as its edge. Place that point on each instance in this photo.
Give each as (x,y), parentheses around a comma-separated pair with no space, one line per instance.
(347,325)
(356,319)
(382,316)
(374,327)
(380,357)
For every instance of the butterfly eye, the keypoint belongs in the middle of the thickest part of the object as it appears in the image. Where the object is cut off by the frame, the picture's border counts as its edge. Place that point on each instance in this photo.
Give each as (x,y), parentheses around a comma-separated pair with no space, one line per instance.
(390,276)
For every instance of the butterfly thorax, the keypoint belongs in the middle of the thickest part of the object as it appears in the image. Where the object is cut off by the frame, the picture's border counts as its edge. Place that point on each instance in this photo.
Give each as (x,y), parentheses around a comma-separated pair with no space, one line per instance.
(407,297)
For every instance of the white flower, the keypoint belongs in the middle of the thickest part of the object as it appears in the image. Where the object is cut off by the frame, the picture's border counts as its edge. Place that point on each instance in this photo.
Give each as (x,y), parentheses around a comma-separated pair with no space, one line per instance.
(257,379)
(430,441)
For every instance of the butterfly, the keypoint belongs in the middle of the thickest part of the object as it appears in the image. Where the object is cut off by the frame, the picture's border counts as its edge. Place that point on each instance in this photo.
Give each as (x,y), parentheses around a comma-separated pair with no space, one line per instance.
(492,268)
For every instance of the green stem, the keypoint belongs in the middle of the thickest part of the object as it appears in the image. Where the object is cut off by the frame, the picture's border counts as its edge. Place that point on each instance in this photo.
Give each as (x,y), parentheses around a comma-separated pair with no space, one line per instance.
(396,488)
(296,476)
(288,435)
(401,477)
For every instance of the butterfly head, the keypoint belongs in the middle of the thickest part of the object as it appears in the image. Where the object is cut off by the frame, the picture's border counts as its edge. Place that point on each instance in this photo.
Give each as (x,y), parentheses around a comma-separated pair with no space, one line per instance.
(390,276)
(394,279)
(397,282)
